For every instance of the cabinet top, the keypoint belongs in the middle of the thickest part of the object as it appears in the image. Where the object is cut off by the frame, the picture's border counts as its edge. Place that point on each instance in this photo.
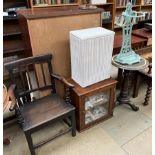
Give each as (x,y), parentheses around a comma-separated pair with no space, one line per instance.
(35,13)
(105,84)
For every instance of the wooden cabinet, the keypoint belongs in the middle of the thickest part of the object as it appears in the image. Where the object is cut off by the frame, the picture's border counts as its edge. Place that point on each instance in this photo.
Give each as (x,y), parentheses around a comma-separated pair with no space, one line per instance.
(49,3)
(94,103)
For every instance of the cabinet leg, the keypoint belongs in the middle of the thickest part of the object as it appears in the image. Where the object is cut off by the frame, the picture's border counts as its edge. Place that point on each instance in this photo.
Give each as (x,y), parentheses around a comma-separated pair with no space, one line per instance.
(73,122)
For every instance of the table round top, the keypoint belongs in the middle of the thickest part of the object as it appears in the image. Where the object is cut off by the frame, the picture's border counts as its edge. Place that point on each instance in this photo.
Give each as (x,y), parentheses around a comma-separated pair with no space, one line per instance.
(136,66)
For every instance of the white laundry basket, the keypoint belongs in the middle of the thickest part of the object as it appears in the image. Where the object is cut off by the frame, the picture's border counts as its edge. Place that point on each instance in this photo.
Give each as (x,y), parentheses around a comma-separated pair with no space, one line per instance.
(91,53)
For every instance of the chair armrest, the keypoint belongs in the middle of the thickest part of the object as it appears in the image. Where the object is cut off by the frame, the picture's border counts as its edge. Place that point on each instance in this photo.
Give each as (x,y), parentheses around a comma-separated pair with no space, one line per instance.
(12,96)
(63,80)
(68,86)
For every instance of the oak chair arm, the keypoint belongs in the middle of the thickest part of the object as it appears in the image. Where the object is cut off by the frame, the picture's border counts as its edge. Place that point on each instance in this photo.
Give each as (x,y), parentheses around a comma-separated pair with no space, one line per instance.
(63,80)
(68,87)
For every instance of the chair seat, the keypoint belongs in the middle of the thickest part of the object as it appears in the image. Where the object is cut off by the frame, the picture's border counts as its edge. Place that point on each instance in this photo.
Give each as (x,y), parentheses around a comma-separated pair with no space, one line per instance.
(44,110)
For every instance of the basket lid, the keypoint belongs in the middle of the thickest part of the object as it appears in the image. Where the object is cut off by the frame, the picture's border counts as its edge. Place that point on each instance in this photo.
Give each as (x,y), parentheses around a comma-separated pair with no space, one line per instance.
(91,33)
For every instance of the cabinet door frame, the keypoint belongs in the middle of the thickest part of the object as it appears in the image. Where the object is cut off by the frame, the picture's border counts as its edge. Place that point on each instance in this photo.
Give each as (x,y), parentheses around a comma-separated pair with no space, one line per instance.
(110,106)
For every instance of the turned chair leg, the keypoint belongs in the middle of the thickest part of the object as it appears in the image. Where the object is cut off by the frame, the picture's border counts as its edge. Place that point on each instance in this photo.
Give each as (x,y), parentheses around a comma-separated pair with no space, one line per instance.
(73,123)
(30,143)
(148,92)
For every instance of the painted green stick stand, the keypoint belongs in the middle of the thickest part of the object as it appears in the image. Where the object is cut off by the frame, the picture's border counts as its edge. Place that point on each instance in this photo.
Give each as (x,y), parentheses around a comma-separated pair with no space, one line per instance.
(127,55)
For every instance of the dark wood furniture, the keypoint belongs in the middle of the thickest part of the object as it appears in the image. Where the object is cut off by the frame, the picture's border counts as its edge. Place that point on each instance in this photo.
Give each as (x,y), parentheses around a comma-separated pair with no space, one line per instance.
(35,111)
(147,74)
(123,97)
(12,37)
(13,48)
(144,33)
(136,41)
(12,42)
(94,103)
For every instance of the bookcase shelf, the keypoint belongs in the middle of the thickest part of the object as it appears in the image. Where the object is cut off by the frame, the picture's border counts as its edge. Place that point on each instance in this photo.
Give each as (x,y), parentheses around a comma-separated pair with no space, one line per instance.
(17,51)
(51,3)
(106,22)
(40,6)
(146,5)
(5,35)
(123,7)
(105,4)
(8,18)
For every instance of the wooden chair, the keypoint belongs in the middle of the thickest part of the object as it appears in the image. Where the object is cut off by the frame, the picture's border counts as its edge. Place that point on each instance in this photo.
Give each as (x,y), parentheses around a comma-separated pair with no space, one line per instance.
(147,74)
(37,111)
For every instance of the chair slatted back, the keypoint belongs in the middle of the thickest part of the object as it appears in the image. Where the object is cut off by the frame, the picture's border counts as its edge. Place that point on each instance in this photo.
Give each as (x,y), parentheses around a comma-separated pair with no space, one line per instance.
(34,73)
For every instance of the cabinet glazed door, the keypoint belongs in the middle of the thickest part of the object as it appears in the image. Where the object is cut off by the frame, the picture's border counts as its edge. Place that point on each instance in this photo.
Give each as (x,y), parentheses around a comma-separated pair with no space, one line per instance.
(96,106)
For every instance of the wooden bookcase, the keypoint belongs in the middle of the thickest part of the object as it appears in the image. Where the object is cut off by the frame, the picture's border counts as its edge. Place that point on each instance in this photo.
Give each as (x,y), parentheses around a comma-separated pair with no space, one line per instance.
(109,6)
(12,42)
(49,3)
(94,103)
(13,47)
(137,6)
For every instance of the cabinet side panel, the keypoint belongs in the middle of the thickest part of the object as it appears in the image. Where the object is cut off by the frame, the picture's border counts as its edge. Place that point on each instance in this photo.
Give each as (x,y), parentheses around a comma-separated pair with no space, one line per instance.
(112,99)
(77,102)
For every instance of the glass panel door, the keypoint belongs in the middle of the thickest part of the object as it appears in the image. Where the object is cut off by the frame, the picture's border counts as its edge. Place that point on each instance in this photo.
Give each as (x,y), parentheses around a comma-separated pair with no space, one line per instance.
(96,106)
